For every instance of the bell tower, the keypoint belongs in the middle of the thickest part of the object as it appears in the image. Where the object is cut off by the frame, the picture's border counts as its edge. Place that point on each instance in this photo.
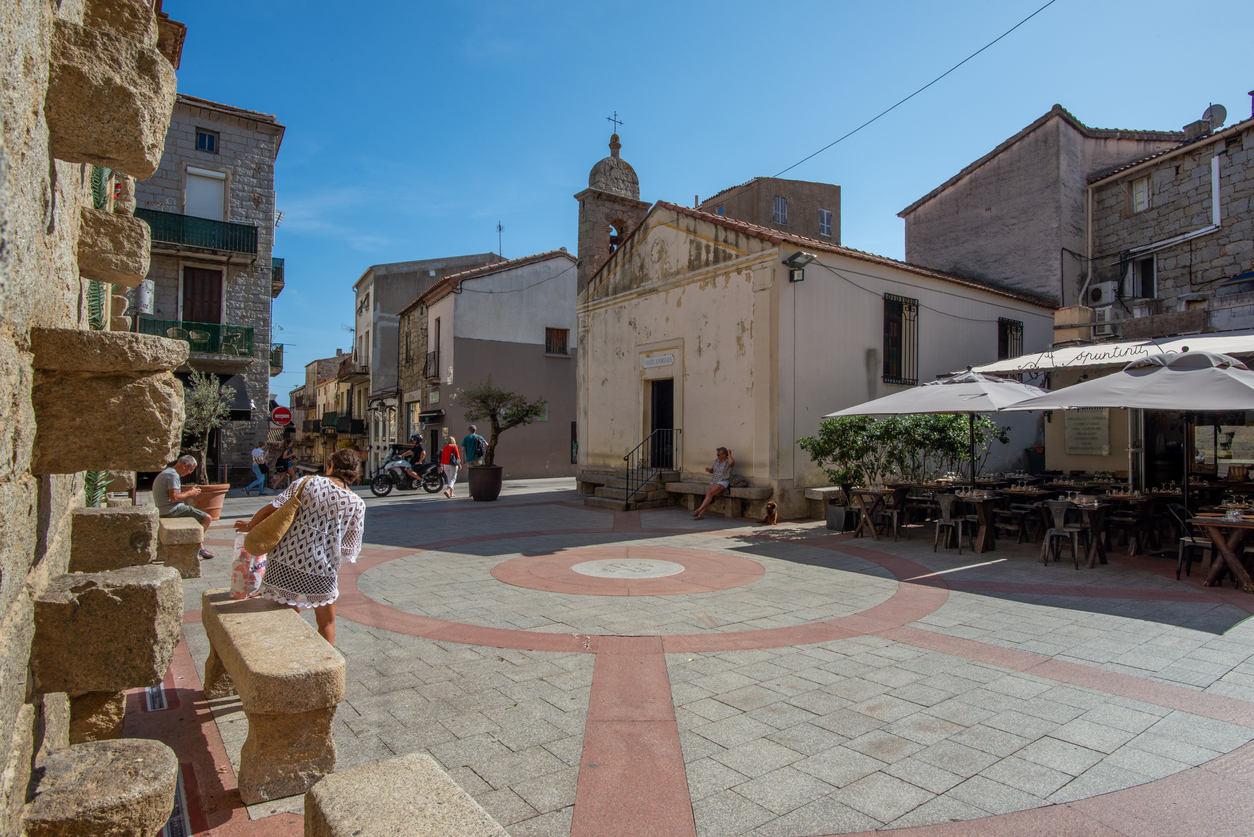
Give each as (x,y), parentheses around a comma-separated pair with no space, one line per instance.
(608,209)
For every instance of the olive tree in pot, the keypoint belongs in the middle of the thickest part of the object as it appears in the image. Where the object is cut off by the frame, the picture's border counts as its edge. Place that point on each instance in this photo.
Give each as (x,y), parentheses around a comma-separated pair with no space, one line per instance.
(502,410)
(206,408)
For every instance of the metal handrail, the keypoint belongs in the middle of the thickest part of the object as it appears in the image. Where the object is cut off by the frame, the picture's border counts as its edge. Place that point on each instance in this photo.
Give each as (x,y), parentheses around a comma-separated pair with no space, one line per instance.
(654,454)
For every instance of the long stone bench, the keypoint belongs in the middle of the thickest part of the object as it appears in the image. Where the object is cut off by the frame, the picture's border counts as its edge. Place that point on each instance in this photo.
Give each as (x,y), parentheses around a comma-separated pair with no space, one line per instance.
(730,503)
(409,795)
(289,681)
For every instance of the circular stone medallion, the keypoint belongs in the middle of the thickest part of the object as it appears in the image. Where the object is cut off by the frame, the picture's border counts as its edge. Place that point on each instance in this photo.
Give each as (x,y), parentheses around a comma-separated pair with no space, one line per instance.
(629,568)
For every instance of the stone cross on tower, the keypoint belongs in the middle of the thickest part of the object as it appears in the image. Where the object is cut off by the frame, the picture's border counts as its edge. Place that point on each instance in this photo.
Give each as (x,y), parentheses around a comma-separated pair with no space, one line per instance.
(617,122)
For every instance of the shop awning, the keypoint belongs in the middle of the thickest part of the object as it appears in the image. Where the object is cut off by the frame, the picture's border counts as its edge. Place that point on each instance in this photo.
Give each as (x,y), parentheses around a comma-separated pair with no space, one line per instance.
(430,416)
(1118,354)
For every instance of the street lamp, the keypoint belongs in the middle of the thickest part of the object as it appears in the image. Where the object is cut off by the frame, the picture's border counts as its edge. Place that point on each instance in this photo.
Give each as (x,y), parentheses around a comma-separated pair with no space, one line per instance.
(797,265)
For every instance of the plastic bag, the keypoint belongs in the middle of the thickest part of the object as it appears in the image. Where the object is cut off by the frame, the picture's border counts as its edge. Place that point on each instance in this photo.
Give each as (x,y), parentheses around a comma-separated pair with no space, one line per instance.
(247,570)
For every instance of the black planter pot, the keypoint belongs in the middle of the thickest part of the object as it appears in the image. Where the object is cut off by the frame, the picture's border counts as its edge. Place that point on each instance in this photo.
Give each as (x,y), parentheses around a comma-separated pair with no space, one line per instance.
(485,482)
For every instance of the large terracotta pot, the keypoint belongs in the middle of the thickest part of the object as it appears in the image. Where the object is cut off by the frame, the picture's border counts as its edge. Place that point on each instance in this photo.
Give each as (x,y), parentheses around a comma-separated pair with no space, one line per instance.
(210,499)
(485,482)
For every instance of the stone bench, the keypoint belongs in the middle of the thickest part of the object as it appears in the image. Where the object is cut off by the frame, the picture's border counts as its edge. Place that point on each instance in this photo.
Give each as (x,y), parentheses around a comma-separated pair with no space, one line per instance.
(409,795)
(820,498)
(289,681)
(179,541)
(730,503)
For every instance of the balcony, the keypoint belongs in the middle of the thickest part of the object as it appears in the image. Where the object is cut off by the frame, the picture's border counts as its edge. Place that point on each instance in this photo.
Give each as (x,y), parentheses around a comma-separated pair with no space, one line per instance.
(204,338)
(350,426)
(329,419)
(276,359)
(311,426)
(276,277)
(431,370)
(188,234)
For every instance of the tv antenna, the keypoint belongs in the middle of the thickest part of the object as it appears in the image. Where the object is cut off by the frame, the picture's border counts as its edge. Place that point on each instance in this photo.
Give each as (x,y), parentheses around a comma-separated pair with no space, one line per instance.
(499,228)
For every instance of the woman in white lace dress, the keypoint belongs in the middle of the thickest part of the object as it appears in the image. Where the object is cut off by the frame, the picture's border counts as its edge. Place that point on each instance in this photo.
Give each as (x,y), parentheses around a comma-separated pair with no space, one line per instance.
(301,571)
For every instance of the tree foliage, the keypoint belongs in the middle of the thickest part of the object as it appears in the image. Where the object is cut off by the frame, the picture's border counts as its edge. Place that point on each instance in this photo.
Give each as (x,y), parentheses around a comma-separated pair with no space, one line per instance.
(205,407)
(500,408)
(912,448)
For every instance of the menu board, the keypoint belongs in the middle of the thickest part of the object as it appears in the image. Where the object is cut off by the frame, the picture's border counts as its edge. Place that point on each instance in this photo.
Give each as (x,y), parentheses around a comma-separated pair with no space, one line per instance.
(1087,431)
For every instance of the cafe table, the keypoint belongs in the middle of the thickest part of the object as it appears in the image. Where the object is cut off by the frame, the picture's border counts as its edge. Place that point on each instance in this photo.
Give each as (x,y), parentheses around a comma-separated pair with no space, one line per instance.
(986,535)
(1227,534)
(1144,506)
(876,497)
(1095,520)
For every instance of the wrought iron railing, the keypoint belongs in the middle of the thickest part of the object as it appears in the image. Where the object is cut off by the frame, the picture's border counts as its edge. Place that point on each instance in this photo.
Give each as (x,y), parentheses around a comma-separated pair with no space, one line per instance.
(276,276)
(646,460)
(276,356)
(203,338)
(350,425)
(432,367)
(330,419)
(173,228)
(311,426)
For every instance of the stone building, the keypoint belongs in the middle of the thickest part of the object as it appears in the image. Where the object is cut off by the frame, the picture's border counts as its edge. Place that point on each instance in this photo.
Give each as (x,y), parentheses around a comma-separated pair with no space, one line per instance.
(513,321)
(799,207)
(211,209)
(1172,237)
(80,393)
(309,440)
(608,209)
(1016,217)
(379,295)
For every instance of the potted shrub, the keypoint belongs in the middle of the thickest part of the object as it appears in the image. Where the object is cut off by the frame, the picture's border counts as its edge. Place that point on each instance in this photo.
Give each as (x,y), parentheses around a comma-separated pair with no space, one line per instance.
(502,410)
(205,408)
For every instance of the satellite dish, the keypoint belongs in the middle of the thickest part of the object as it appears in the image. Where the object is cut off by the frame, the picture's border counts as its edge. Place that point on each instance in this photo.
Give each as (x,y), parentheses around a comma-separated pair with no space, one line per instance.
(1216,115)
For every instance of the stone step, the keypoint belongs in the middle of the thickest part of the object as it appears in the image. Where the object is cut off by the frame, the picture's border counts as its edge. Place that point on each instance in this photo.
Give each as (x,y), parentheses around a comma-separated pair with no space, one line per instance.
(619,505)
(605,476)
(655,492)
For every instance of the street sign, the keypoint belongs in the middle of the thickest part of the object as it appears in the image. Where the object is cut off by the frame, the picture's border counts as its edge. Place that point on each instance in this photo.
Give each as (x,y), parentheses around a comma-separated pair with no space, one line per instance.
(281,416)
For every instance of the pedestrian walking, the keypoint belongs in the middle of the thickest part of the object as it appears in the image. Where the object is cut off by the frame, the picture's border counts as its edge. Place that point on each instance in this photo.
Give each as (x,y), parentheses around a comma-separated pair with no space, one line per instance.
(450,460)
(303,568)
(475,446)
(259,471)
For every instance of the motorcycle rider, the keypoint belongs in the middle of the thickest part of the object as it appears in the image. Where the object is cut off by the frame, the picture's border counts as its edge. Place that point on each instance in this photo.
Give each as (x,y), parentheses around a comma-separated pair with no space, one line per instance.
(412,458)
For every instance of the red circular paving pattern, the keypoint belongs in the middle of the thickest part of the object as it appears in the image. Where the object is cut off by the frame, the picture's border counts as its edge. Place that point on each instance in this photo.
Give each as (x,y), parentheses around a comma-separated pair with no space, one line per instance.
(703,571)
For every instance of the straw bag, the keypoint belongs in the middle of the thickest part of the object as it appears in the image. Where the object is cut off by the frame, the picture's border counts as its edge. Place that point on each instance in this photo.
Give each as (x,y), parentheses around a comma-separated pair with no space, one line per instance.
(266,535)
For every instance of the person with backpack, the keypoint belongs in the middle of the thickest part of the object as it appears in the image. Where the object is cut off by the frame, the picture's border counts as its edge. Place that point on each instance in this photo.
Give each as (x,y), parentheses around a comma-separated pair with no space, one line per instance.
(475,446)
(450,460)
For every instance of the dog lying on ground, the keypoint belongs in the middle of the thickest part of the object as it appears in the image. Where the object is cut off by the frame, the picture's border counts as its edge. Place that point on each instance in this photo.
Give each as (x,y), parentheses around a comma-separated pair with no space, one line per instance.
(772,514)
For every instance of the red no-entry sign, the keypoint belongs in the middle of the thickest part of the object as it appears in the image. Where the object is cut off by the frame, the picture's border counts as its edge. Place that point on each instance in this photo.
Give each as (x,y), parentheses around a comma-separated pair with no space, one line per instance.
(281,416)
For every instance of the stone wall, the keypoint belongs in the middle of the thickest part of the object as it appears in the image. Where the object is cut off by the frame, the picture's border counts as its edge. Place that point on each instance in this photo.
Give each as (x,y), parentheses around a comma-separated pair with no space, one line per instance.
(1180,202)
(247,146)
(41,199)
(755,202)
(411,366)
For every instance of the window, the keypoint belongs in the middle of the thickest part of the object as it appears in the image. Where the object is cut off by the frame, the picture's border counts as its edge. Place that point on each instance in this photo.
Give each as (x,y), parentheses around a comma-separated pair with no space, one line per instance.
(1009,338)
(901,340)
(202,295)
(206,140)
(1144,284)
(1141,194)
(555,341)
(205,195)
(781,210)
(825,222)
(719,210)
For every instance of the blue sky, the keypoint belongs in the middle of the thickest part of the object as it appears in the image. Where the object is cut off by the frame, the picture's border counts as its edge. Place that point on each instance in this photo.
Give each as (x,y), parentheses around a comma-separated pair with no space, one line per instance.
(413,128)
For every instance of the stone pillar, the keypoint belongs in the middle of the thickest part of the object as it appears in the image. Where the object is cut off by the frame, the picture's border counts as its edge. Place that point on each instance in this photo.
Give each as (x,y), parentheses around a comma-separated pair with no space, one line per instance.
(179,543)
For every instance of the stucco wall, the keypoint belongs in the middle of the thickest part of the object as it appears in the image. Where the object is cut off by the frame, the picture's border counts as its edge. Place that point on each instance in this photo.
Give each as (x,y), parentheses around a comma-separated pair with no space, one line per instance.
(755,202)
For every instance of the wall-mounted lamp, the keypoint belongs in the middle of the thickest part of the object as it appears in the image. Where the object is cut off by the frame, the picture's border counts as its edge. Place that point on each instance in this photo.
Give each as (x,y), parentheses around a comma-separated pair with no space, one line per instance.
(797,265)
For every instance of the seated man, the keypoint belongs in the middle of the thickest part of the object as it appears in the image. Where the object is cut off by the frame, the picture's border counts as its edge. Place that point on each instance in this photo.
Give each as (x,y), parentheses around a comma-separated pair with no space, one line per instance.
(168,496)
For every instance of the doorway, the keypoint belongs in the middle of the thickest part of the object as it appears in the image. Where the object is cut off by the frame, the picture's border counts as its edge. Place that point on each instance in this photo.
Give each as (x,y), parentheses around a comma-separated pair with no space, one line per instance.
(662,417)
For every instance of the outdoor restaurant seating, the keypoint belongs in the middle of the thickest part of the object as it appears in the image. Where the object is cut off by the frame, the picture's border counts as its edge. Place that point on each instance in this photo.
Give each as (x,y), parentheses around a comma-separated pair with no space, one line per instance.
(1189,541)
(949,522)
(1061,530)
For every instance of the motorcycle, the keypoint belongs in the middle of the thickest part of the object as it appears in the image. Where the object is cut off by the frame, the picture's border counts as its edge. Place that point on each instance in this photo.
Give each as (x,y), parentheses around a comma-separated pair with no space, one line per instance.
(430,477)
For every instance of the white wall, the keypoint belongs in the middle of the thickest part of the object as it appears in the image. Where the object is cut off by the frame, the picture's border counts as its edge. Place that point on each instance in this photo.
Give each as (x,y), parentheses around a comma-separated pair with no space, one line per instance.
(491,307)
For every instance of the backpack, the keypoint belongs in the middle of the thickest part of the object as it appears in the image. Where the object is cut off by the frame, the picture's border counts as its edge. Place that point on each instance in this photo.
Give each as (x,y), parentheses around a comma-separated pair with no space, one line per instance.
(481,448)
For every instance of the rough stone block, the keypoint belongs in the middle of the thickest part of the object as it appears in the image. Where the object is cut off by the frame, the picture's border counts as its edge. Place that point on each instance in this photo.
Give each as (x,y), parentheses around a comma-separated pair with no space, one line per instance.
(15,762)
(106,422)
(184,557)
(285,754)
(407,795)
(104,352)
(108,539)
(96,716)
(124,18)
(122,788)
(180,530)
(106,632)
(113,248)
(120,481)
(109,100)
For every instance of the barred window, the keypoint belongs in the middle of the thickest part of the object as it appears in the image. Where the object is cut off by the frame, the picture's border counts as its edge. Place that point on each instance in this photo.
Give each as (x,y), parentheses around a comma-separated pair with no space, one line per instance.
(1009,338)
(781,210)
(901,340)
(555,341)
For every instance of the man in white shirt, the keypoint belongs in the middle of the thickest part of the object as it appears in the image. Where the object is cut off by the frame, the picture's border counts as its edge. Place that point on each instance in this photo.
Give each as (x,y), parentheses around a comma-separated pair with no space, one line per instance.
(168,494)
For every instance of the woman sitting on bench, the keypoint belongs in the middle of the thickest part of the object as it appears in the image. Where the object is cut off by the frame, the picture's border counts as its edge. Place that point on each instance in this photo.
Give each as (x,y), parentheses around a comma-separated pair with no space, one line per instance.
(720,480)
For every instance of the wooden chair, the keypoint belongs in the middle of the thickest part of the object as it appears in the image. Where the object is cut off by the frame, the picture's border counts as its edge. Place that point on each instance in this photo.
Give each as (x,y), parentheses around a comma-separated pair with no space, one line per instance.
(1018,519)
(1189,540)
(1061,530)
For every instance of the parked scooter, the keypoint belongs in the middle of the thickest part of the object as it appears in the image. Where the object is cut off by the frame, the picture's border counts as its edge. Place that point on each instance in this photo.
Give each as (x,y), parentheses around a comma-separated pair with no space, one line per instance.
(393,474)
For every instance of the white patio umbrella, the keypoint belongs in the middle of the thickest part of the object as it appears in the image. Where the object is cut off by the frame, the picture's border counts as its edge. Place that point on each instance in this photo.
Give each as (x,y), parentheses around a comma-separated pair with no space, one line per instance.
(1184,381)
(967,392)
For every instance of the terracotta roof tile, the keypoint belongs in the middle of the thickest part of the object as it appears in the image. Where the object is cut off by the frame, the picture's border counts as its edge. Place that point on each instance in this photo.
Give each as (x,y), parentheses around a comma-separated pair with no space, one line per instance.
(449,283)
(1235,128)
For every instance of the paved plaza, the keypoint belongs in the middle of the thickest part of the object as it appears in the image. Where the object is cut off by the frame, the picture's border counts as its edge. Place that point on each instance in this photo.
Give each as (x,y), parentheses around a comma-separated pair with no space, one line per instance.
(586,672)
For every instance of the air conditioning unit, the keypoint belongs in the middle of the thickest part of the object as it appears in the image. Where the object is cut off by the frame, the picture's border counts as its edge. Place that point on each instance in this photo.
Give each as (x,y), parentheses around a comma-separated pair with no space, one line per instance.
(1102,293)
(1107,322)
